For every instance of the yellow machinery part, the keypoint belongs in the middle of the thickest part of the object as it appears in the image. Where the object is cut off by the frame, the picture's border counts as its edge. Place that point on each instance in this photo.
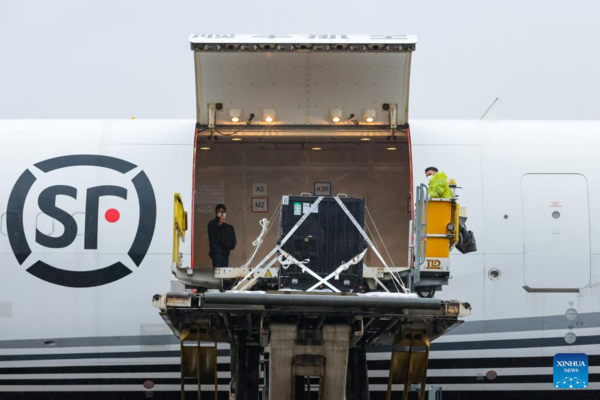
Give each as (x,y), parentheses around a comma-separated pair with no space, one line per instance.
(440,213)
(198,361)
(179,227)
(437,247)
(410,355)
(456,222)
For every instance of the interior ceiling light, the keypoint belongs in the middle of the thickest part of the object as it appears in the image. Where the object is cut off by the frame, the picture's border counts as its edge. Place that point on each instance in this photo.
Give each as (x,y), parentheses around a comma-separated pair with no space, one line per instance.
(204,148)
(369,115)
(335,114)
(235,115)
(237,139)
(316,148)
(268,114)
(365,139)
(391,148)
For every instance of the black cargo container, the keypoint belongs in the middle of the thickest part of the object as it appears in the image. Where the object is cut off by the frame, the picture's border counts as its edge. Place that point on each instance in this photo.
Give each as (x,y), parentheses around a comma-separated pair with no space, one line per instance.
(328,238)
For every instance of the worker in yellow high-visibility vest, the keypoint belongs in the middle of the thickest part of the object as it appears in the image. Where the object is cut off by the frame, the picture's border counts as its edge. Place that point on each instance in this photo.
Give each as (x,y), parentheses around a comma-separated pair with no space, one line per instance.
(438,184)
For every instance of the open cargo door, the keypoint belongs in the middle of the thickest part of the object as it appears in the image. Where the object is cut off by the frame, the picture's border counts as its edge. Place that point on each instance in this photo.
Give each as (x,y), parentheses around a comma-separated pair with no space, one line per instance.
(301,79)
(286,115)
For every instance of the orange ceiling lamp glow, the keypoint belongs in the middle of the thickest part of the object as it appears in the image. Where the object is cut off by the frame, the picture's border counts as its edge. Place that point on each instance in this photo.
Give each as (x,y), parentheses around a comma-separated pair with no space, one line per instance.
(335,115)
(369,115)
(268,115)
(235,115)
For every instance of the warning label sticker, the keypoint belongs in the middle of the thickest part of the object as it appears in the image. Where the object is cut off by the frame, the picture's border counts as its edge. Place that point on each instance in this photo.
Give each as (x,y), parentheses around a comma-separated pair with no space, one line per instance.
(297,208)
(268,274)
(306,207)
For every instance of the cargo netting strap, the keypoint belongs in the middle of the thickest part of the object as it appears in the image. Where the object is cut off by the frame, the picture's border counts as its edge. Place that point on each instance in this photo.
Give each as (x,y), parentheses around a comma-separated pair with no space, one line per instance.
(265,225)
(289,259)
(379,235)
(249,280)
(396,280)
(286,260)
(336,274)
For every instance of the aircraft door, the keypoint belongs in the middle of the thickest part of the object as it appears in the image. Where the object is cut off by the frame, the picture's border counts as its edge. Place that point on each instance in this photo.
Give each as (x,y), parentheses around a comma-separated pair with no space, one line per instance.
(556,231)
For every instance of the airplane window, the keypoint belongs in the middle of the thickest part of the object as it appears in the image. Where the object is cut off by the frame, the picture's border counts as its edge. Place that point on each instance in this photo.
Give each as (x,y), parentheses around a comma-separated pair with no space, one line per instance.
(494,274)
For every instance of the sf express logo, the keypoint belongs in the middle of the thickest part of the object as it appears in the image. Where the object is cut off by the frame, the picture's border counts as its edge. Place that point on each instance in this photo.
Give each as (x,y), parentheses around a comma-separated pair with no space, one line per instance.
(47,202)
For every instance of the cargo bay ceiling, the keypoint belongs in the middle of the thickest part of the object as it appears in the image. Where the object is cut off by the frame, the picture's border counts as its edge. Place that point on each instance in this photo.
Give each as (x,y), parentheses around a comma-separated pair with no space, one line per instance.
(305,81)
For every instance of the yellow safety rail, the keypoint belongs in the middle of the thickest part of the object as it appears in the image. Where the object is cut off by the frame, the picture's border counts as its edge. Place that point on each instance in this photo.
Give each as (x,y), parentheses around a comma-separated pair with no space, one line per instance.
(456,222)
(180,226)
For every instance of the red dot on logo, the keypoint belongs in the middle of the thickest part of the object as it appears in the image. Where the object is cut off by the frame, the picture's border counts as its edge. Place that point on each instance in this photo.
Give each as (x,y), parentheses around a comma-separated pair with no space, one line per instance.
(112,215)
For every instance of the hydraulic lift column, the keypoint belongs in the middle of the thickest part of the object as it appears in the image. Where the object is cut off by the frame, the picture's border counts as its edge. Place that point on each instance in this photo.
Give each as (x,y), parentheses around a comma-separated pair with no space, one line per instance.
(245,361)
(326,359)
(357,381)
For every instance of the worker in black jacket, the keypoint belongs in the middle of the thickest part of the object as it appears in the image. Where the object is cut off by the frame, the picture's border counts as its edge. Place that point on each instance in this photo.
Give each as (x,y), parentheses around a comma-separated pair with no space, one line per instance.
(221,237)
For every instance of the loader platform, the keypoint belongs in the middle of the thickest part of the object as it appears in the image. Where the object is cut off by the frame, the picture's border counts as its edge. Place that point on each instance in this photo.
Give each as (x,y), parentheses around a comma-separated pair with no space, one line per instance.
(313,332)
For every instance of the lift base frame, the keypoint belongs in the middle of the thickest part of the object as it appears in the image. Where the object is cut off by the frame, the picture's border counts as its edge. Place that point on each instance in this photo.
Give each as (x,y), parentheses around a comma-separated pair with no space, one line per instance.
(245,318)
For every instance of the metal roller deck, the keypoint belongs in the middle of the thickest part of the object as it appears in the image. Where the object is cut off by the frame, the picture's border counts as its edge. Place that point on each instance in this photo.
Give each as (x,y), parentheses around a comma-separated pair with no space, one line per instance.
(382,316)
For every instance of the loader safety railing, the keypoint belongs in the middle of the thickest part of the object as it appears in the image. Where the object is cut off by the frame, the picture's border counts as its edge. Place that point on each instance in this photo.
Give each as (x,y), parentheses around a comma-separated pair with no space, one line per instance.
(420,231)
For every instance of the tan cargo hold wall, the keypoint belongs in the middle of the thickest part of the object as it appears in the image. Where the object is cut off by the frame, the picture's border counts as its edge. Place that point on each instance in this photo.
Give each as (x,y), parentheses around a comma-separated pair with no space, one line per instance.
(227,171)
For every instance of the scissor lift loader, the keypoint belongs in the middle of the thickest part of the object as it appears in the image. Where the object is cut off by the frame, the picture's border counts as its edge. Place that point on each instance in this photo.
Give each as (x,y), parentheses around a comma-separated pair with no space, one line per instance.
(286,343)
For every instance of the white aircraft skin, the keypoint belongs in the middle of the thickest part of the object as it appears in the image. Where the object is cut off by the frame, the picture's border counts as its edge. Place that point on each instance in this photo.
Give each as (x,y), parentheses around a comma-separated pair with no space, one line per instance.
(104,339)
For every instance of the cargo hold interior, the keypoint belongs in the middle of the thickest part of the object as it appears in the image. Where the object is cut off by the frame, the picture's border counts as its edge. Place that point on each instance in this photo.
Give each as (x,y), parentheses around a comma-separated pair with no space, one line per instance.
(226,171)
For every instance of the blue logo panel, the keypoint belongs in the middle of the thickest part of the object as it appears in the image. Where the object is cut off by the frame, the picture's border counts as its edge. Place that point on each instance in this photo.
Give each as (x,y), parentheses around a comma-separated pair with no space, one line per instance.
(571,371)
